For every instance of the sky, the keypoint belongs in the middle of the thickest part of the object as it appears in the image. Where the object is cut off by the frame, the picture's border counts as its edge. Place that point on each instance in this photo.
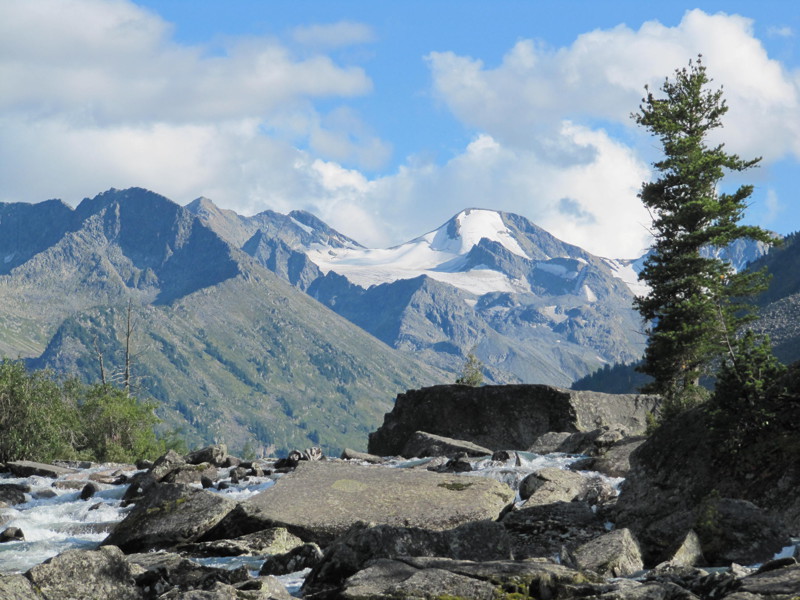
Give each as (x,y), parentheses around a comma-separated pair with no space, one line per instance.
(387,118)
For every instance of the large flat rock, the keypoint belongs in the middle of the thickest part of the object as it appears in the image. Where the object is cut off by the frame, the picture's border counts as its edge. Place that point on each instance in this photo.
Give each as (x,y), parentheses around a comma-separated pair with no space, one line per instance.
(321,500)
(506,417)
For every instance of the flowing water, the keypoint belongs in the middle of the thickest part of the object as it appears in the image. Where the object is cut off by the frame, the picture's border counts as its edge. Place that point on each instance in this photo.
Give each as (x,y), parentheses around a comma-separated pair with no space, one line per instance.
(54,518)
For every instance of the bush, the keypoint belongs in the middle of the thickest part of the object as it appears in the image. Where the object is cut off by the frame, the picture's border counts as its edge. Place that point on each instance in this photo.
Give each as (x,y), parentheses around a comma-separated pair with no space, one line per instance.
(42,418)
(118,427)
(38,419)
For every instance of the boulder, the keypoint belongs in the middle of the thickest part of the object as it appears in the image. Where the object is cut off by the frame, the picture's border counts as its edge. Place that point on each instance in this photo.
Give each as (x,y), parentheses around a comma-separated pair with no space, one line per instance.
(552,485)
(614,554)
(482,540)
(159,572)
(215,455)
(689,552)
(191,473)
(321,500)
(102,573)
(27,468)
(17,587)
(431,577)
(505,417)
(165,464)
(422,444)
(11,534)
(392,579)
(89,490)
(169,514)
(613,461)
(549,442)
(13,493)
(276,540)
(305,556)
(550,529)
(778,583)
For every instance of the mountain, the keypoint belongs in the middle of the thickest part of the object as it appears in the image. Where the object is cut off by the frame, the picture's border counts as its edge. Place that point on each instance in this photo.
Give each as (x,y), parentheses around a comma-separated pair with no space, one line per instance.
(232,352)
(533,308)
(780,304)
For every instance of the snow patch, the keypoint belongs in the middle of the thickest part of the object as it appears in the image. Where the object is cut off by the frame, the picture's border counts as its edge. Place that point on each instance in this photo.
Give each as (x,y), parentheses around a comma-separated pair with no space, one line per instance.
(627,271)
(302,226)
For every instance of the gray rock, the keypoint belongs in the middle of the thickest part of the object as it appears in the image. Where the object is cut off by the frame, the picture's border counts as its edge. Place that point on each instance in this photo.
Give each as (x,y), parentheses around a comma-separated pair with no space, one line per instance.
(276,540)
(169,514)
(12,534)
(482,540)
(614,554)
(89,490)
(505,417)
(549,442)
(543,531)
(320,500)
(615,460)
(191,473)
(78,574)
(422,444)
(779,583)
(17,587)
(350,454)
(394,579)
(552,485)
(157,573)
(27,468)
(13,493)
(527,578)
(689,553)
(305,556)
(164,464)
(215,455)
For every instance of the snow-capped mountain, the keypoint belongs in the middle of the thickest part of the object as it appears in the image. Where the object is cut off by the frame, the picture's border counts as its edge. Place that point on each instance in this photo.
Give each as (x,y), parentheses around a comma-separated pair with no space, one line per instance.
(442,254)
(533,307)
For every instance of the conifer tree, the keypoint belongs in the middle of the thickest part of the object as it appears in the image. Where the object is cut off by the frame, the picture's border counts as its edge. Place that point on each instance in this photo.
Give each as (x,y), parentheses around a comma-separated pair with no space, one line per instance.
(696,303)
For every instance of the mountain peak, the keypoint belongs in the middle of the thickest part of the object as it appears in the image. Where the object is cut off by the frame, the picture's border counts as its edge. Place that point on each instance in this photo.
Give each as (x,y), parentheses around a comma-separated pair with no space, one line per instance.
(465,231)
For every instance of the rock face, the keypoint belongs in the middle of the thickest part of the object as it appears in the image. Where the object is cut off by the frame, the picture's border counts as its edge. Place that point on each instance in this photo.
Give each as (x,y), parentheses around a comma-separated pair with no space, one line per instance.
(505,417)
(682,480)
(321,500)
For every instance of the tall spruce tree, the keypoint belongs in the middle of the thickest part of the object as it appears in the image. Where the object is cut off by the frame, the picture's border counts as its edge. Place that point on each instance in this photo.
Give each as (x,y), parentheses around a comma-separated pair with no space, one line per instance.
(696,303)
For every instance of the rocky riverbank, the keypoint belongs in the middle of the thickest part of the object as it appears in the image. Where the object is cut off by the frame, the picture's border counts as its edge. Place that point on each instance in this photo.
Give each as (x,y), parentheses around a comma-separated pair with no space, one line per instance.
(473,521)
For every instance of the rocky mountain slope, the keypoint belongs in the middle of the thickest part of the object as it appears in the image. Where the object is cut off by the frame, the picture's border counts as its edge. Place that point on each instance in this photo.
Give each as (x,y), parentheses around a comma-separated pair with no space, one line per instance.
(232,351)
(533,308)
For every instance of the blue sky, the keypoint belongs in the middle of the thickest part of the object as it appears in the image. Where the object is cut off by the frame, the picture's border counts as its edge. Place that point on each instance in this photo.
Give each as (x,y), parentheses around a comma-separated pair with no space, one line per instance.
(386,118)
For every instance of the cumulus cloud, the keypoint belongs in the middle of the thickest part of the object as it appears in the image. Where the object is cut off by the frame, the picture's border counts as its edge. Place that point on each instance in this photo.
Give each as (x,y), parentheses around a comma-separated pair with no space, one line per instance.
(94,93)
(602,76)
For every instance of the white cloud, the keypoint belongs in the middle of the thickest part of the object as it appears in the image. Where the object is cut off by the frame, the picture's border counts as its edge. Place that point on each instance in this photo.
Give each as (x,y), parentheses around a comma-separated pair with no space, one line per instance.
(602,76)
